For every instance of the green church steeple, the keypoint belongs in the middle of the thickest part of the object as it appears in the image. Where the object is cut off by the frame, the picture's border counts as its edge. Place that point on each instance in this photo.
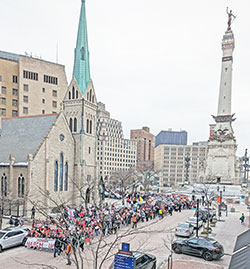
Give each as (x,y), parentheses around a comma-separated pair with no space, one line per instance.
(81,70)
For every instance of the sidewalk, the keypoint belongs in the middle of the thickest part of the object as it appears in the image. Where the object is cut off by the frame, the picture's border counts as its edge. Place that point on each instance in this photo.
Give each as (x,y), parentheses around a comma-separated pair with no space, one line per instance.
(225,232)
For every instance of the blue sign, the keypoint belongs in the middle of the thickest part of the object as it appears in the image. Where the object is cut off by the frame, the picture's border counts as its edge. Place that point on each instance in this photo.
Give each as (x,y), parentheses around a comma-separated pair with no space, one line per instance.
(124,262)
(242,196)
(125,246)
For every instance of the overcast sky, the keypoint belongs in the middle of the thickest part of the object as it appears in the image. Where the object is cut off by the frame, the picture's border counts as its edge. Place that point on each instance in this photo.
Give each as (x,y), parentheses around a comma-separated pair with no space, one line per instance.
(154,63)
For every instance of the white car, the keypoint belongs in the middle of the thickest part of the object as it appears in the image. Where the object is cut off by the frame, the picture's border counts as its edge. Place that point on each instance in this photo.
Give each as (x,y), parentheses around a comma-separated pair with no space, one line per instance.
(193,222)
(12,237)
(184,229)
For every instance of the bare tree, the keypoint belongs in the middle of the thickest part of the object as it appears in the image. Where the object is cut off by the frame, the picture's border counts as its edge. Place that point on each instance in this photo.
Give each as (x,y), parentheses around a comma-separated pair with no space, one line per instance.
(123,178)
(205,190)
(146,175)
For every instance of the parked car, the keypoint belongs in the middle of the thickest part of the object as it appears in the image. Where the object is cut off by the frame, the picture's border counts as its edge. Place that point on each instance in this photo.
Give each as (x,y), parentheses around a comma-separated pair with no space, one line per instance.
(12,237)
(184,229)
(11,228)
(193,222)
(207,248)
(142,260)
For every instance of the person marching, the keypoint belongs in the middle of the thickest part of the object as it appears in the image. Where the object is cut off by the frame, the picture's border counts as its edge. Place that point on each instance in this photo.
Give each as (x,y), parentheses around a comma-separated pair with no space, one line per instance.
(69,250)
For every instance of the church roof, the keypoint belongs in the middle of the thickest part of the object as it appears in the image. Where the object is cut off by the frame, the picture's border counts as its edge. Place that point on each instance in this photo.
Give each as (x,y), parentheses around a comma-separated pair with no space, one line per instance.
(22,136)
(81,70)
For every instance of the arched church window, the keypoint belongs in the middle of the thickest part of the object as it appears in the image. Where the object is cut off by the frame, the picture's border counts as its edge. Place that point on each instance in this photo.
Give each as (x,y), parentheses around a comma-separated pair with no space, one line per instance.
(75,124)
(69,94)
(71,124)
(82,54)
(93,99)
(56,176)
(61,172)
(73,92)
(20,185)
(76,94)
(90,95)
(90,126)
(66,177)
(87,96)
(87,126)
(4,185)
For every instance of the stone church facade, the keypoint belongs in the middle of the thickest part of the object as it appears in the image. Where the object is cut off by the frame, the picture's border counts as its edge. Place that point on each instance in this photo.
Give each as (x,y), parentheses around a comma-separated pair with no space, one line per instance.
(48,158)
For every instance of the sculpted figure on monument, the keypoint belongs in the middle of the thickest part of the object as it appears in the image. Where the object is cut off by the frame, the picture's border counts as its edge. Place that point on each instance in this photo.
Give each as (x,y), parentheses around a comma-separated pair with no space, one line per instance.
(231,16)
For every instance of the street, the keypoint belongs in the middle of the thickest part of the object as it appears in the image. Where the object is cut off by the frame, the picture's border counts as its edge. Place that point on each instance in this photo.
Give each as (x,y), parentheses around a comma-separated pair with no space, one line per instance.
(153,242)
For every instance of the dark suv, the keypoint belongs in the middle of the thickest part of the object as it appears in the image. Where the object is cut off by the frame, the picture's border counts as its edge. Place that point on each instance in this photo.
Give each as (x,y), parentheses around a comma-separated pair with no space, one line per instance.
(142,261)
(204,247)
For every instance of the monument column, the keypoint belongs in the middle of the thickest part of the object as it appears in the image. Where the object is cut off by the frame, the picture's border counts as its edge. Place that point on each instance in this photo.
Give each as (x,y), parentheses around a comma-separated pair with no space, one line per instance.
(221,158)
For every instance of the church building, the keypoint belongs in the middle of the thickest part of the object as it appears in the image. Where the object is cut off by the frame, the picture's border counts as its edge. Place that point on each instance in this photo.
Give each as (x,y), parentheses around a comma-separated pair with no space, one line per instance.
(52,157)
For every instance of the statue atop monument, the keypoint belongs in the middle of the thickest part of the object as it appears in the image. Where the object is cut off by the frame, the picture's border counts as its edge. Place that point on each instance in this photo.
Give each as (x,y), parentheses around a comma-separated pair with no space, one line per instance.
(231,17)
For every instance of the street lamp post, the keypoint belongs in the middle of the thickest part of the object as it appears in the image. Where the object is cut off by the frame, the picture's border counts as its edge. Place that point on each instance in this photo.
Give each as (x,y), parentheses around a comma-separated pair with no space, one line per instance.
(197,219)
(187,165)
(245,160)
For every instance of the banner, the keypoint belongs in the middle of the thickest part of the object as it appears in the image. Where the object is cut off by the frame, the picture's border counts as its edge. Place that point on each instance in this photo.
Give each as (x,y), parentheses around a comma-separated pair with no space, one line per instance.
(40,242)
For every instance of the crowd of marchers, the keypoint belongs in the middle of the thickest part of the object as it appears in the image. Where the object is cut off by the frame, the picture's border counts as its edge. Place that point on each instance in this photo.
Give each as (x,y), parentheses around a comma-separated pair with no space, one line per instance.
(80,226)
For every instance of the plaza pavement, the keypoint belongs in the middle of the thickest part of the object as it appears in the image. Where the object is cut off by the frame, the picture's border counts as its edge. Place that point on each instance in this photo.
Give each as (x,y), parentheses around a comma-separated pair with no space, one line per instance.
(225,232)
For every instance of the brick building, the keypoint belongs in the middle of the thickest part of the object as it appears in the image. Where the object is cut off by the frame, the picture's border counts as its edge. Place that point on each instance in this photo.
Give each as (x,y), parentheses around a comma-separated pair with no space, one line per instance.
(145,146)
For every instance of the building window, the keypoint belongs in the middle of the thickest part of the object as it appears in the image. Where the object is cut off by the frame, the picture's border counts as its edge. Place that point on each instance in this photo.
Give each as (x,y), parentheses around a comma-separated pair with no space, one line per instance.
(90,126)
(30,75)
(0,78)
(4,185)
(21,186)
(56,176)
(87,126)
(73,92)
(61,172)
(25,110)
(54,104)
(89,150)
(71,124)
(25,99)
(76,94)
(2,111)
(3,101)
(15,92)
(75,124)
(15,103)
(43,101)
(14,113)
(43,111)
(90,95)
(14,79)
(66,176)
(69,95)
(43,90)
(3,90)
(50,79)
(54,93)
(25,87)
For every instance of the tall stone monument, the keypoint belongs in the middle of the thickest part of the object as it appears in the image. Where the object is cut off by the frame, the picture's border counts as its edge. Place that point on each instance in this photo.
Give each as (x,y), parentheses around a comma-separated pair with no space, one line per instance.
(221,163)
